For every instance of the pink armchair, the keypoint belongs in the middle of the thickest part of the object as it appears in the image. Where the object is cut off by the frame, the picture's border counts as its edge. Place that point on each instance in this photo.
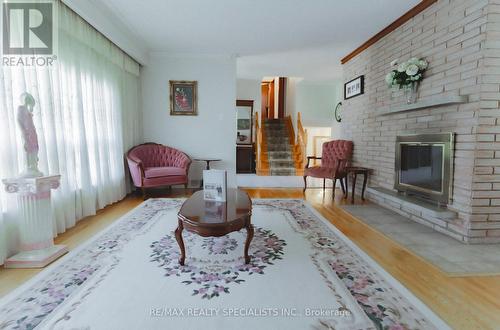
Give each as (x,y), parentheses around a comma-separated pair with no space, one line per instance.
(154,165)
(335,157)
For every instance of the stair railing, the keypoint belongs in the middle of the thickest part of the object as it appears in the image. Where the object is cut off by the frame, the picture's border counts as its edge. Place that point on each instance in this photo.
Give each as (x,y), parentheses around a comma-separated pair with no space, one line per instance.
(301,139)
(291,133)
(258,140)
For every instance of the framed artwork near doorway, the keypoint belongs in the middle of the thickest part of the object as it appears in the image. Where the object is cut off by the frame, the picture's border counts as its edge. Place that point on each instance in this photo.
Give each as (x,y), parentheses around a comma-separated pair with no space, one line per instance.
(183,98)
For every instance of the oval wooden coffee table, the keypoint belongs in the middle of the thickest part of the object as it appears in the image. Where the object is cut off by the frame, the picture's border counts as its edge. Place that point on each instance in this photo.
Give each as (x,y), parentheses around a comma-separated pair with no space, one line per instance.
(208,218)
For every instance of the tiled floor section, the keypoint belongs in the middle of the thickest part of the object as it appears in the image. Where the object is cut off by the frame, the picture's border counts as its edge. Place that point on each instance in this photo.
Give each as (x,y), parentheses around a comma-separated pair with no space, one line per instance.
(446,253)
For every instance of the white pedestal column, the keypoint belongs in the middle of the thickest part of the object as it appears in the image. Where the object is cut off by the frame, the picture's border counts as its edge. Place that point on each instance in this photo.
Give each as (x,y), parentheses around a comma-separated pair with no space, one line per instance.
(35,222)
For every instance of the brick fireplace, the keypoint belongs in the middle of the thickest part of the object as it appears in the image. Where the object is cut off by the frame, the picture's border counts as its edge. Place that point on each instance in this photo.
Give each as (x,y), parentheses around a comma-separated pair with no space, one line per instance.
(424,167)
(460,94)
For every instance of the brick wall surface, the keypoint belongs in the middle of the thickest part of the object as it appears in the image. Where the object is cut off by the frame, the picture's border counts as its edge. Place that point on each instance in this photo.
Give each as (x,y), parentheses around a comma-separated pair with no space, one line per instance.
(461,41)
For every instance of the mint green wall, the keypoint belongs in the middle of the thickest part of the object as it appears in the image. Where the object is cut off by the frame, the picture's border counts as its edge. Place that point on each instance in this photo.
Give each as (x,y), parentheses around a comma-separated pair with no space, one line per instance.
(316,102)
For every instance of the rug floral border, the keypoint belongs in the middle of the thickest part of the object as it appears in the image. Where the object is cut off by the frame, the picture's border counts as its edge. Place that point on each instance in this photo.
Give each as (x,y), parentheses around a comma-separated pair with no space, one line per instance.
(28,306)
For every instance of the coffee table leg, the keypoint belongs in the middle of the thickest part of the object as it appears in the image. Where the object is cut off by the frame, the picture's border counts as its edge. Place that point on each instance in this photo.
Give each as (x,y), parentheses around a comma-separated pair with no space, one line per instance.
(247,243)
(365,179)
(178,237)
(354,177)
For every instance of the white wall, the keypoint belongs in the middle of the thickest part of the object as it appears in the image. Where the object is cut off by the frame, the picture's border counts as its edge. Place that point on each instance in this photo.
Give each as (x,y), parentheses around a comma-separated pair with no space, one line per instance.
(291,98)
(210,134)
(248,89)
(316,102)
(313,132)
(336,126)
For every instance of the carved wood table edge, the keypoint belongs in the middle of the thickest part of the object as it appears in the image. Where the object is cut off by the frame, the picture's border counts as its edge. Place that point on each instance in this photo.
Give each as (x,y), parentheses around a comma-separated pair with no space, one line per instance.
(236,216)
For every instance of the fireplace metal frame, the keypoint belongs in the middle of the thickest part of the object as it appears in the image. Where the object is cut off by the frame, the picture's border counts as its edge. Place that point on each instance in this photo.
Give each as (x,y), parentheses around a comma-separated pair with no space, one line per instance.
(447,141)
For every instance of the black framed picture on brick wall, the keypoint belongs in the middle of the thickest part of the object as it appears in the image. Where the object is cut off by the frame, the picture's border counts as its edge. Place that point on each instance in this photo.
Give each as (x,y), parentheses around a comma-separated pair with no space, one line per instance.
(354,87)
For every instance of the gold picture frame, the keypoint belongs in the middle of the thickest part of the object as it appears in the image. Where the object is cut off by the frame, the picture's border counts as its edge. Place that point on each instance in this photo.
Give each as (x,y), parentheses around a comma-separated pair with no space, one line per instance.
(183,98)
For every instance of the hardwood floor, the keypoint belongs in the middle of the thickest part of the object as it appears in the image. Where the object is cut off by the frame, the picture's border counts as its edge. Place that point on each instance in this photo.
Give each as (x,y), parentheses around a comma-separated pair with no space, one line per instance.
(471,302)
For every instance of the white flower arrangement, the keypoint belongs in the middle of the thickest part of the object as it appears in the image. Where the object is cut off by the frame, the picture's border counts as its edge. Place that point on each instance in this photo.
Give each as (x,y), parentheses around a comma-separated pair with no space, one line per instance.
(407,73)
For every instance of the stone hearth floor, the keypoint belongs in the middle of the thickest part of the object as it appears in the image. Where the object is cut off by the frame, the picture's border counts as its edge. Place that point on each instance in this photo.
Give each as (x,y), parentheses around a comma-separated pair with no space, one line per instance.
(446,253)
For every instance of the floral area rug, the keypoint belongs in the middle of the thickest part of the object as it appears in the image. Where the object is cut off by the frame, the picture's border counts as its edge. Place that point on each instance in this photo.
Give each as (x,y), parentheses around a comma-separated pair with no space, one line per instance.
(304,274)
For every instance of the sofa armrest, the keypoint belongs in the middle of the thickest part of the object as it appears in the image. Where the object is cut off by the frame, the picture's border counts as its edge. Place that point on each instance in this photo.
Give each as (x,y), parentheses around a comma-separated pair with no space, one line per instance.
(136,170)
(183,161)
(309,158)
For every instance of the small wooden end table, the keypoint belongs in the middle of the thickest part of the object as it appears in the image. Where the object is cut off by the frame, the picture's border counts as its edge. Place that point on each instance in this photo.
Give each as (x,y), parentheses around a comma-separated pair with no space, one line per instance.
(215,219)
(208,161)
(354,171)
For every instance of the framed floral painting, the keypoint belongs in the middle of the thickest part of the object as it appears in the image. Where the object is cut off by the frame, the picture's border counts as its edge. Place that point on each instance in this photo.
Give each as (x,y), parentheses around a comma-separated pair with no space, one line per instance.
(183,99)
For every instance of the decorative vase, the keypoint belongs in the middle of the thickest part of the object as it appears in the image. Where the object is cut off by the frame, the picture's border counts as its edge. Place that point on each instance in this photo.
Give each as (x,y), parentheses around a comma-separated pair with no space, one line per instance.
(411,93)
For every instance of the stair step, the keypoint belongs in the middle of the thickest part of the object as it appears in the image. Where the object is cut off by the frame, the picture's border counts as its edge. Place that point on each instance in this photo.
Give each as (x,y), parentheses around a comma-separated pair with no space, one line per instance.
(282,171)
(274,121)
(280,154)
(278,147)
(277,137)
(281,163)
(278,141)
(272,159)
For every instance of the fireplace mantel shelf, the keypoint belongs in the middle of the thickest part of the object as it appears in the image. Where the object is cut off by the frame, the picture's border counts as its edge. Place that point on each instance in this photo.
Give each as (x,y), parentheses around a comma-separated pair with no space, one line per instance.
(426,103)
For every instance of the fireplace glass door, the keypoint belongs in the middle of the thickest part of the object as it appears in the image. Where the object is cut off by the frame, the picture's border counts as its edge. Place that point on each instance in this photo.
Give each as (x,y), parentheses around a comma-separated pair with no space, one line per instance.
(422,166)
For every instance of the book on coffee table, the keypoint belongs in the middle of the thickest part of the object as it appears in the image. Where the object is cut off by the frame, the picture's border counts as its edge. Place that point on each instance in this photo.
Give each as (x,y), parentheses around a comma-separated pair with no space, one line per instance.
(215,185)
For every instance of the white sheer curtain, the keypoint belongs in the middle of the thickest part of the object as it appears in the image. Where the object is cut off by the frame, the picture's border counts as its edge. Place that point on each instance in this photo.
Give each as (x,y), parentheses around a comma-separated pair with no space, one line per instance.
(87,115)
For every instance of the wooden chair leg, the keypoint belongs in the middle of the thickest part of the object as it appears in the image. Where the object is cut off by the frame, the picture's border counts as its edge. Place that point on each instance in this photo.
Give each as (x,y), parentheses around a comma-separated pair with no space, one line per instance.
(333,189)
(324,184)
(342,185)
(305,184)
(143,193)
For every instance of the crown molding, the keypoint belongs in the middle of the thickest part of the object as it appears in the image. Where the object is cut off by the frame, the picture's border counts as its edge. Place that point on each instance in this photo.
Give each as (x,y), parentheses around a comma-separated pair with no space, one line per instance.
(107,22)
(424,4)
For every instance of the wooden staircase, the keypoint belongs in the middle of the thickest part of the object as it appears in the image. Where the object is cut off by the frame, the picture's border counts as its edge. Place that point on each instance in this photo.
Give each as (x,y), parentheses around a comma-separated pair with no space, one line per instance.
(297,142)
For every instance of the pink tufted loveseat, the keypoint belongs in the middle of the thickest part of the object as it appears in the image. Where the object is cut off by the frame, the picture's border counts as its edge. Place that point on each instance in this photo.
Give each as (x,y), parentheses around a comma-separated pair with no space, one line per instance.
(335,157)
(154,165)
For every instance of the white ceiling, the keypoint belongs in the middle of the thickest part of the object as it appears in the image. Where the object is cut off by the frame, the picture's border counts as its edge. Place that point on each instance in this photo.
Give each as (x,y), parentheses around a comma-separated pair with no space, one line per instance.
(270,37)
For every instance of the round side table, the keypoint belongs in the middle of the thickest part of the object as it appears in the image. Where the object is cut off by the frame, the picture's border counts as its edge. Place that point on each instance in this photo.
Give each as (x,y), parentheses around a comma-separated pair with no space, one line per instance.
(208,161)
(354,171)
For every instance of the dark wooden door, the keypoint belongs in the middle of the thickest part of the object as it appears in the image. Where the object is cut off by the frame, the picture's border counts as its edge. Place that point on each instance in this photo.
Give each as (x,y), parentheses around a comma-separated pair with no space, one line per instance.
(267,107)
(245,159)
(281,97)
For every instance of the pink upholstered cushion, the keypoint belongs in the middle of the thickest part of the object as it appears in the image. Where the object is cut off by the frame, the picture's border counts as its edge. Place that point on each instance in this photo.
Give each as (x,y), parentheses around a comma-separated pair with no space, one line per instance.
(154,164)
(336,149)
(157,172)
(319,172)
(164,181)
(157,155)
(332,152)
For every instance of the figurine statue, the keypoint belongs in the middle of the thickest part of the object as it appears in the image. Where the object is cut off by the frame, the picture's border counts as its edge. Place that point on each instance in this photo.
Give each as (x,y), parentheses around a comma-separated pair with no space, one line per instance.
(30,139)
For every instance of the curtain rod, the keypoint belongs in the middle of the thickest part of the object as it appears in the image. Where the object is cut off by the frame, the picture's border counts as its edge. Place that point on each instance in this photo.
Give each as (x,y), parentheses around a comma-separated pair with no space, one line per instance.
(102,34)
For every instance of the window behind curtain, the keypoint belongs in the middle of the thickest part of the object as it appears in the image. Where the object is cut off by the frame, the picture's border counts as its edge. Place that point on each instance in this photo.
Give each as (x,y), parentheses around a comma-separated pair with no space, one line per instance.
(87,115)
